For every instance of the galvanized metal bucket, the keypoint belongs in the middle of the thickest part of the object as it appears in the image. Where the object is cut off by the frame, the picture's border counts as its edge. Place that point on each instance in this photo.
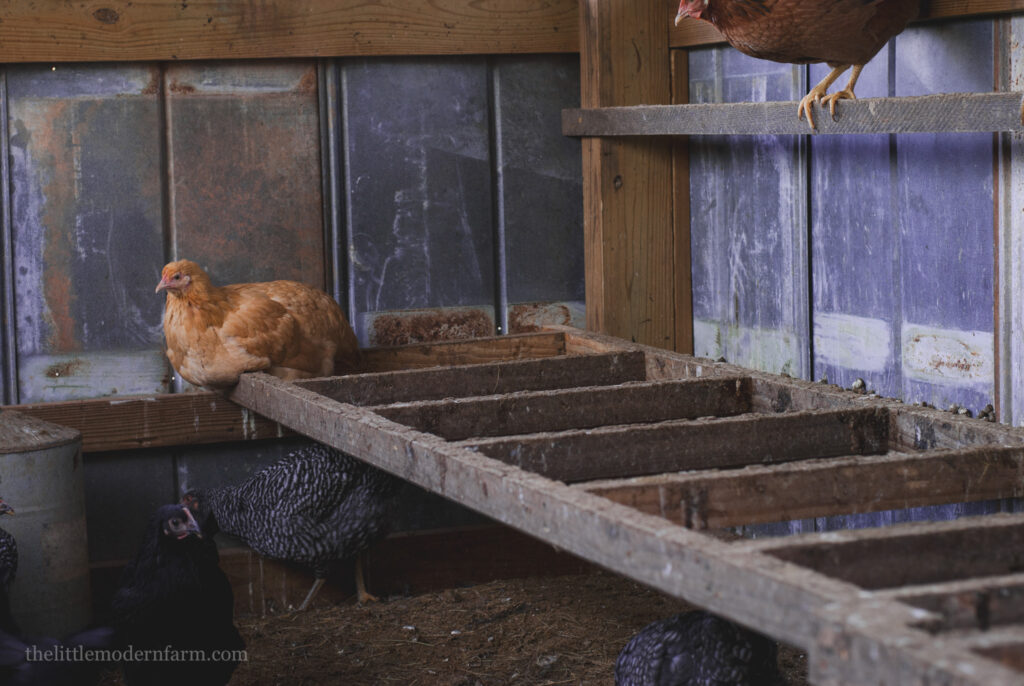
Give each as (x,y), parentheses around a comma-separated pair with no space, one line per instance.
(41,477)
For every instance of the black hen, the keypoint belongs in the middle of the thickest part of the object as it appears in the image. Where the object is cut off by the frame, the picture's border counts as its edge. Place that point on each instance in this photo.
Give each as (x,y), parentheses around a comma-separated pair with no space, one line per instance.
(8,568)
(49,662)
(174,595)
(698,649)
(314,507)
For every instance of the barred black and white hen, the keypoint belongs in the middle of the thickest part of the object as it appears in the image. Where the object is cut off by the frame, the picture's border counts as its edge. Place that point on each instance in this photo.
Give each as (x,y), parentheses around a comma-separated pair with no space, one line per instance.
(698,649)
(314,507)
(175,601)
(8,568)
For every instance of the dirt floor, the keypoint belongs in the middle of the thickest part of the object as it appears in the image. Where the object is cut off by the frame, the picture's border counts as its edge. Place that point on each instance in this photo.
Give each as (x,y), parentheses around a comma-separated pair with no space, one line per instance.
(534,632)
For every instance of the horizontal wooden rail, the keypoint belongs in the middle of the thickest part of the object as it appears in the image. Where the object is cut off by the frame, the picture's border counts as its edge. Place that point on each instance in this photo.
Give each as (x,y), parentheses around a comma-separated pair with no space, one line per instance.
(822,488)
(208,29)
(147,30)
(633,450)
(952,113)
(577,408)
(695,32)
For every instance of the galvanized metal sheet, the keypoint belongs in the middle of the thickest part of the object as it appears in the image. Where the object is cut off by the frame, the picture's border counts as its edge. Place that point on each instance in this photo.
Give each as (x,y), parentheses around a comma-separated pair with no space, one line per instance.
(86,209)
(540,178)
(244,172)
(748,223)
(853,245)
(945,218)
(419,183)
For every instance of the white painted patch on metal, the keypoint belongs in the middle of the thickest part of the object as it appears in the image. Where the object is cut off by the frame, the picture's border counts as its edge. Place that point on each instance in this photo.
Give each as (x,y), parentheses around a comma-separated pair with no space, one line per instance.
(70,376)
(948,356)
(852,342)
(768,350)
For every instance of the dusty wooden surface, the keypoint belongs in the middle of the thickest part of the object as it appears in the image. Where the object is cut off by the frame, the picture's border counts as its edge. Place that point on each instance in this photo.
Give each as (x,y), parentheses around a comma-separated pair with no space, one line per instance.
(952,113)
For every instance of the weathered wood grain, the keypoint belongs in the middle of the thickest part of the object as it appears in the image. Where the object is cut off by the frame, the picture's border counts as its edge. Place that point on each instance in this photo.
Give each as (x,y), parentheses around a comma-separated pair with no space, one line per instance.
(577,408)
(205,29)
(821,488)
(693,32)
(128,423)
(908,554)
(615,452)
(482,379)
(978,603)
(955,112)
(627,184)
(475,351)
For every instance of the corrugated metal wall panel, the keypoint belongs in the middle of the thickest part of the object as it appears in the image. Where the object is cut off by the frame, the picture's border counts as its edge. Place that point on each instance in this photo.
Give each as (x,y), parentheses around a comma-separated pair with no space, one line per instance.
(854,250)
(946,224)
(245,194)
(86,210)
(748,223)
(419,187)
(541,213)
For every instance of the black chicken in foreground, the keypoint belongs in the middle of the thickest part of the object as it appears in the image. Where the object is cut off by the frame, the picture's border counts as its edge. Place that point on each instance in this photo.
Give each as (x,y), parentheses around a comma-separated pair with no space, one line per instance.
(175,596)
(314,507)
(8,568)
(49,662)
(698,649)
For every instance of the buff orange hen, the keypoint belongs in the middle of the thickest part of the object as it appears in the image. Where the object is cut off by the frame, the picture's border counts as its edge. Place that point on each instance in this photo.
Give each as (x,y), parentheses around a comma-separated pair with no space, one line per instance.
(285,328)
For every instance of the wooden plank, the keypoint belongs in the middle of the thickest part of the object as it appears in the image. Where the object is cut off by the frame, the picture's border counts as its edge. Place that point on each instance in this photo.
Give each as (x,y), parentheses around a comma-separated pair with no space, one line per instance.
(131,422)
(950,112)
(614,452)
(693,32)
(474,351)
(627,184)
(908,554)
(481,379)
(822,488)
(682,266)
(577,408)
(968,604)
(205,29)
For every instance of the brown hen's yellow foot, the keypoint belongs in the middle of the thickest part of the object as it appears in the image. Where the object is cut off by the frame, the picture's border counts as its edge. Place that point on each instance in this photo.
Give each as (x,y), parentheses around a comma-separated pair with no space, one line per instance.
(833,98)
(817,93)
(808,100)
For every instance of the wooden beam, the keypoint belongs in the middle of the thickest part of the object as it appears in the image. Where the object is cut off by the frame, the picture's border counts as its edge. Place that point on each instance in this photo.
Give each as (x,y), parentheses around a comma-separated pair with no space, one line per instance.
(475,351)
(482,379)
(627,184)
(138,30)
(694,32)
(951,113)
(907,554)
(682,266)
(133,422)
(978,603)
(613,452)
(577,408)
(822,488)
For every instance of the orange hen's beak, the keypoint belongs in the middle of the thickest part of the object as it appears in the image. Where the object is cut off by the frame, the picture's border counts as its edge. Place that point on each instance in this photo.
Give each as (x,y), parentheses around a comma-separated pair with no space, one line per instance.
(163,285)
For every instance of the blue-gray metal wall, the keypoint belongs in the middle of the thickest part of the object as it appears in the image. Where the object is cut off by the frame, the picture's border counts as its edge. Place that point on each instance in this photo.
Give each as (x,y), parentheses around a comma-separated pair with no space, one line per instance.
(435,197)
(894,259)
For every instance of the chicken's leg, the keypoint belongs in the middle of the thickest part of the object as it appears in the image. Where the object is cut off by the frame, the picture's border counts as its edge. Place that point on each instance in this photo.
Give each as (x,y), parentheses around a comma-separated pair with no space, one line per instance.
(312,593)
(362,595)
(819,95)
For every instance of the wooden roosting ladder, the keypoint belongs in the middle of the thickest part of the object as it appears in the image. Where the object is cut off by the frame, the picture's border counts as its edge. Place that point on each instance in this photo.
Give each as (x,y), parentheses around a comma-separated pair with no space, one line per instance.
(636,459)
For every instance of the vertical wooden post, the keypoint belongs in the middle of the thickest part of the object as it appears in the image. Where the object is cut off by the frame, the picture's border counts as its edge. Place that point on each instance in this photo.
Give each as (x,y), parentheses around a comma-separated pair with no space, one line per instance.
(681,210)
(627,183)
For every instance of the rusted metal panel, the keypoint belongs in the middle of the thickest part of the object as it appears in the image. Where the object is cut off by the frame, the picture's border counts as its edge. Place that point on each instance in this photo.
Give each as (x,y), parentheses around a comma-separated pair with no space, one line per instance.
(540,184)
(945,204)
(748,234)
(244,170)
(418,185)
(86,209)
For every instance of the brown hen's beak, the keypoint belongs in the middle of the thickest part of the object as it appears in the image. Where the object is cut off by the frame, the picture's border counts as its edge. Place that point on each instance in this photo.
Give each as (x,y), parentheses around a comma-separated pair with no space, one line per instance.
(679,18)
(162,286)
